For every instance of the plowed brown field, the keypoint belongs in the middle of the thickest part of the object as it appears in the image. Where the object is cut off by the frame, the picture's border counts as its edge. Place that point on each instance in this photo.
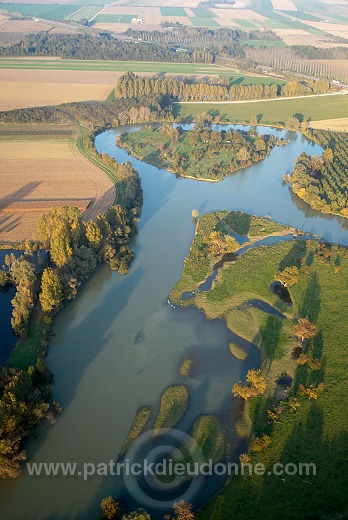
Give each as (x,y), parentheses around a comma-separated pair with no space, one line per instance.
(38,175)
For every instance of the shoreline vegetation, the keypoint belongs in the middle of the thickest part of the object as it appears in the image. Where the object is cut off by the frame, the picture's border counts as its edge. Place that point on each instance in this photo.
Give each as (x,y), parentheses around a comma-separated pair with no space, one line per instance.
(321,181)
(291,408)
(44,286)
(201,153)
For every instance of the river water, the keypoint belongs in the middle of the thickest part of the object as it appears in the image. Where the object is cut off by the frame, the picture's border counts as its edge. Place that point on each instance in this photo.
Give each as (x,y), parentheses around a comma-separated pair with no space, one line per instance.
(120,344)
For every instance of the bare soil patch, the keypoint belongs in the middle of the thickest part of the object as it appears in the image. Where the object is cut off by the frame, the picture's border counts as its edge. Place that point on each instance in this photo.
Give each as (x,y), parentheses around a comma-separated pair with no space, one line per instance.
(338,125)
(21,88)
(38,175)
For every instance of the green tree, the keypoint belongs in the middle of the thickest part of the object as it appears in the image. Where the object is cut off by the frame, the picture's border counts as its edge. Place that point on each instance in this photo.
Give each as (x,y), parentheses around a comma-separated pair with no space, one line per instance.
(51,295)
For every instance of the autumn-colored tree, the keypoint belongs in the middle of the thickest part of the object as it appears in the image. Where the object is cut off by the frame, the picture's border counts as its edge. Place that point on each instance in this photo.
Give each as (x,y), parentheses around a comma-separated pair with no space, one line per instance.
(328,155)
(292,123)
(195,213)
(256,385)
(302,359)
(183,510)
(110,508)
(243,155)
(304,329)
(254,121)
(293,404)
(311,391)
(256,380)
(289,276)
(260,443)
(314,364)
(244,458)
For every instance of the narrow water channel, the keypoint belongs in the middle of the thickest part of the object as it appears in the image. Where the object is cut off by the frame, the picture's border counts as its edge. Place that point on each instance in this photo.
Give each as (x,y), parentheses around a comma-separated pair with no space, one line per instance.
(119,345)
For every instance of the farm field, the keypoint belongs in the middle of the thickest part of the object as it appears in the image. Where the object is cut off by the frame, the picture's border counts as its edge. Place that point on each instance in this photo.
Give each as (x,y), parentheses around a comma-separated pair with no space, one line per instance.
(292,20)
(116,66)
(337,125)
(36,175)
(20,89)
(314,108)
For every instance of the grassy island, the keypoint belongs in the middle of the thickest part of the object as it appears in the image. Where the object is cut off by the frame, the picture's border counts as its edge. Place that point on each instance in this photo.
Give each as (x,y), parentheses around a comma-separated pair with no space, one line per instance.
(292,409)
(141,419)
(201,153)
(174,403)
(215,238)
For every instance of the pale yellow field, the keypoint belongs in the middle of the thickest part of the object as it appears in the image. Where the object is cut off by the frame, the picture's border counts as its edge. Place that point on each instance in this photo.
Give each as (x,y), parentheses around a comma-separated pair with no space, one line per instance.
(29,88)
(338,125)
(37,175)
(24,26)
(298,37)
(333,28)
(234,14)
(286,5)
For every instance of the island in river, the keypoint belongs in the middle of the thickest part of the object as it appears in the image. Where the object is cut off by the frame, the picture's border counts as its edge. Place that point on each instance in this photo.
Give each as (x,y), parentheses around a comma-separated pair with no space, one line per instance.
(202,153)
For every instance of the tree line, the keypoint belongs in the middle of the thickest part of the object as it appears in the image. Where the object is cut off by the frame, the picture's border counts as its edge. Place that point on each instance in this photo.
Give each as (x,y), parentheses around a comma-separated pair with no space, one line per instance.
(75,248)
(24,403)
(202,45)
(101,46)
(133,86)
(112,112)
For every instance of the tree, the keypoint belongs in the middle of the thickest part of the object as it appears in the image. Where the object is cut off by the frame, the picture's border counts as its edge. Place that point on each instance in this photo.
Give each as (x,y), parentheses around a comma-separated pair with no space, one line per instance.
(256,385)
(304,329)
(110,508)
(289,276)
(254,121)
(243,155)
(256,380)
(51,295)
(260,443)
(195,213)
(60,246)
(183,510)
(328,155)
(292,123)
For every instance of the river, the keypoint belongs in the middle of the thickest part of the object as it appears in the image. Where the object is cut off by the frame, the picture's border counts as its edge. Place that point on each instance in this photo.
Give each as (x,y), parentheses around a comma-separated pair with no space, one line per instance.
(120,344)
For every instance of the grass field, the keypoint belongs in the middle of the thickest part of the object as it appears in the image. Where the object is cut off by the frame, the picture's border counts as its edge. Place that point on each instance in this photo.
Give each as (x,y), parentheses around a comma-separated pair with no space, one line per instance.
(317,432)
(38,174)
(116,66)
(294,22)
(262,43)
(47,12)
(314,108)
(113,18)
(52,87)
(173,11)
(199,262)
